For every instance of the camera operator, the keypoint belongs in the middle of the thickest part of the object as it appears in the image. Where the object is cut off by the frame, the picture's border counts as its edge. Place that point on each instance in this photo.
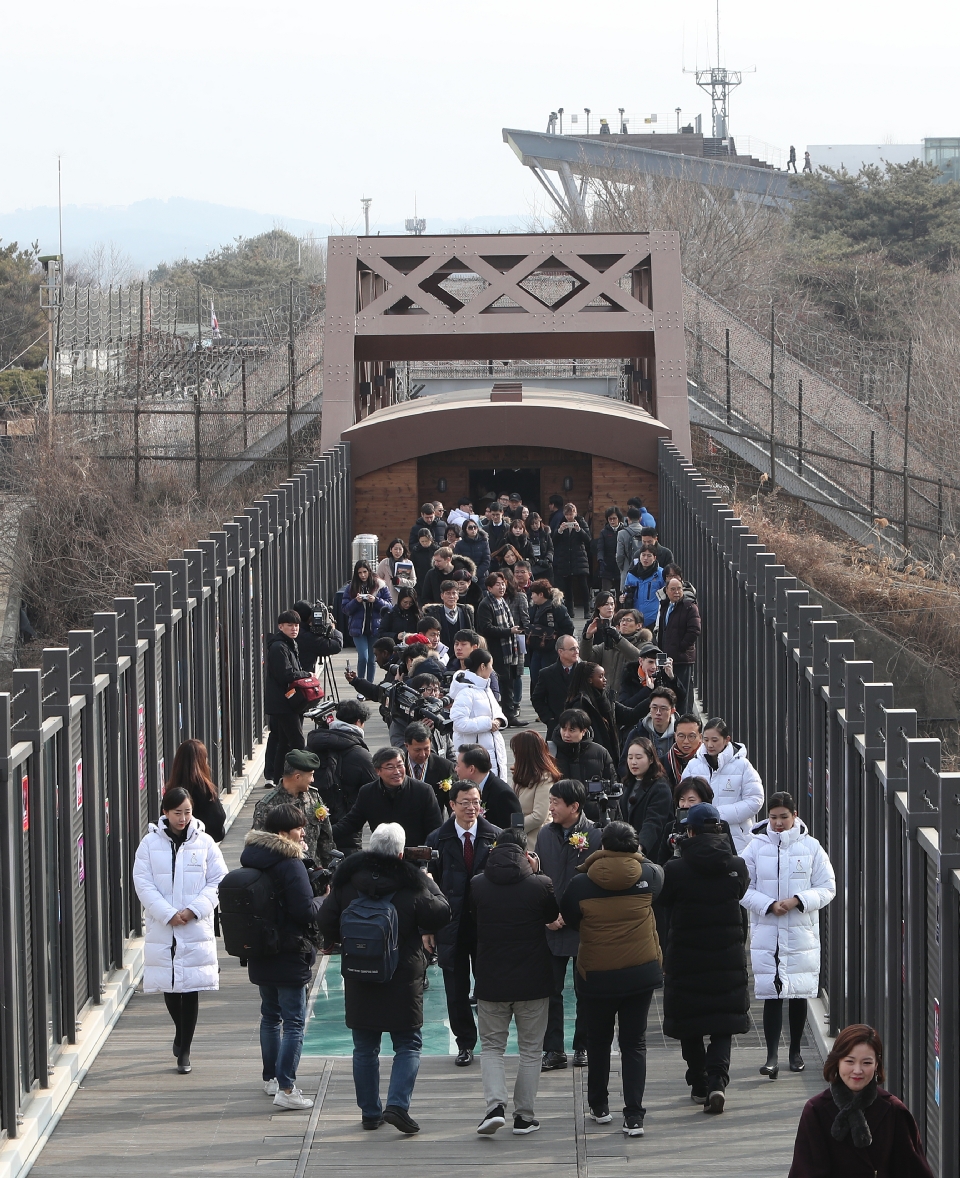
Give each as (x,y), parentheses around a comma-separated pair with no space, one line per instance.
(610,647)
(581,759)
(655,669)
(387,659)
(424,764)
(318,637)
(419,699)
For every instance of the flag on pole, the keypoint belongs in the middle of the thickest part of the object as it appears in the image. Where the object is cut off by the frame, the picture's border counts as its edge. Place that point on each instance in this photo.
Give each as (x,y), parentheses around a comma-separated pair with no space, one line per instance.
(214,322)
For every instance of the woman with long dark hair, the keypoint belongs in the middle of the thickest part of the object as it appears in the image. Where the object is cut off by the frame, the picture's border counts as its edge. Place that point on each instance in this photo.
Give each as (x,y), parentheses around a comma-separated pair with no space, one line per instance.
(387,570)
(587,691)
(540,539)
(405,616)
(534,771)
(854,1127)
(176,874)
(647,802)
(736,784)
(364,603)
(191,771)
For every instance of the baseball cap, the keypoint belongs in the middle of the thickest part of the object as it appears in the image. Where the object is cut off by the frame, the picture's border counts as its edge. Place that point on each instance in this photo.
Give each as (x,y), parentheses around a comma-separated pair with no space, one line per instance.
(699,815)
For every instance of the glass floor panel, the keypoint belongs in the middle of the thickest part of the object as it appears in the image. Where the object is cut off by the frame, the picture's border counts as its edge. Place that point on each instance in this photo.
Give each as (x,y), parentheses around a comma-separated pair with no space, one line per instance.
(326,1033)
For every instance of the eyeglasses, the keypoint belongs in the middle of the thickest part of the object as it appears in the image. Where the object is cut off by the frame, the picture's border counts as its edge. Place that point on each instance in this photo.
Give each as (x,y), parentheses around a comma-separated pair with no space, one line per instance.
(468,805)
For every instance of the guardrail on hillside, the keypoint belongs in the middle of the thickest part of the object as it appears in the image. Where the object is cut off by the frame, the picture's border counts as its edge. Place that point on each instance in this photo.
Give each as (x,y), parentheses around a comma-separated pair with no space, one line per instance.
(817,723)
(87,740)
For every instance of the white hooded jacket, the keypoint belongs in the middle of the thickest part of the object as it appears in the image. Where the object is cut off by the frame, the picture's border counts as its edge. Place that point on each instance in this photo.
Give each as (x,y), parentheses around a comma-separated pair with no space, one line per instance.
(785,950)
(473,709)
(182,959)
(737,788)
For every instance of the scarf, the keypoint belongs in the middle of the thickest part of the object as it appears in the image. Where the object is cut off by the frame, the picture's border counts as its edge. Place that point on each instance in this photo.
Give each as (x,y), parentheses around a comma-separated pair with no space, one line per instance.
(502,618)
(850,1119)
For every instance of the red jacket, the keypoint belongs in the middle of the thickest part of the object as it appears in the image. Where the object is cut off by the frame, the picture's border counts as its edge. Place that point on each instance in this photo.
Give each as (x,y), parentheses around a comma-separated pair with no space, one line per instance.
(896,1151)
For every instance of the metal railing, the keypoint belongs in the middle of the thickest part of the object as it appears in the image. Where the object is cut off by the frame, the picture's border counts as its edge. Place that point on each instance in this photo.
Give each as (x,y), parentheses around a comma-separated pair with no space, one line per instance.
(87,740)
(817,723)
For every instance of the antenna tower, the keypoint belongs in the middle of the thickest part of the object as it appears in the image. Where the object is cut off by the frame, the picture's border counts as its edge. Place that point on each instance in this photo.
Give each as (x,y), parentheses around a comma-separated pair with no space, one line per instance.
(718,82)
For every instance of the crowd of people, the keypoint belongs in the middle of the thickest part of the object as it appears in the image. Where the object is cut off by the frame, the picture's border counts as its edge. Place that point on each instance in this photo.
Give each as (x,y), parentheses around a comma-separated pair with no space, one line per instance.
(632,845)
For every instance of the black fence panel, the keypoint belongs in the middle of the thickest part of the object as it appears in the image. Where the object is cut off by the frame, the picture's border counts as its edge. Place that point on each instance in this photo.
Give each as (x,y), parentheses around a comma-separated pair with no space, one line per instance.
(87,741)
(818,724)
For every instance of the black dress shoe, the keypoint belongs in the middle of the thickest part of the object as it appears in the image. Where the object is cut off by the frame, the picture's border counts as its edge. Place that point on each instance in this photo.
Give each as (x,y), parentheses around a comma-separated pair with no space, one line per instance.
(580,1058)
(183,1063)
(516,722)
(400,1119)
(553,1061)
(372,1122)
(464,1059)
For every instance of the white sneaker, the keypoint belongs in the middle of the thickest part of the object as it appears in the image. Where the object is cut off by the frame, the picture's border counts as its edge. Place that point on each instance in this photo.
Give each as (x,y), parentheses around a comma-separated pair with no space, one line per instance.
(271,1087)
(292,1099)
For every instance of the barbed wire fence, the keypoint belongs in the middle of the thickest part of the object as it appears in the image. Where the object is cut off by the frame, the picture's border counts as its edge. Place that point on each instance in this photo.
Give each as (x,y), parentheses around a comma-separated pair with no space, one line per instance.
(188,379)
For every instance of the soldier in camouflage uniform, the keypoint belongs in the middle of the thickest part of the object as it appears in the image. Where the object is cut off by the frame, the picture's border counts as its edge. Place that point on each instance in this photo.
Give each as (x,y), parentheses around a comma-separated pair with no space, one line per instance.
(296,789)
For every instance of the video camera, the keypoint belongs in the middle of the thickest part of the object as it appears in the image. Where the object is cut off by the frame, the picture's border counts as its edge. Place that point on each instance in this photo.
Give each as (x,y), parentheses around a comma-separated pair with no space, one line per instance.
(322,712)
(404,702)
(606,793)
(321,621)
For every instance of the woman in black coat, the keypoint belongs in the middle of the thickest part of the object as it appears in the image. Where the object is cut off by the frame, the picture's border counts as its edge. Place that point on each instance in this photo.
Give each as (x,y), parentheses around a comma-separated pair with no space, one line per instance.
(404,618)
(678,628)
(422,554)
(474,544)
(191,770)
(608,718)
(647,800)
(571,558)
(541,548)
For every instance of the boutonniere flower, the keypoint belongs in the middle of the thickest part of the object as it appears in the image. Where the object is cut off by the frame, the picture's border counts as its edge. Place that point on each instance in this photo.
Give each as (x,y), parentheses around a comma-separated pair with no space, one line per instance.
(446,783)
(579,841)
(321,813)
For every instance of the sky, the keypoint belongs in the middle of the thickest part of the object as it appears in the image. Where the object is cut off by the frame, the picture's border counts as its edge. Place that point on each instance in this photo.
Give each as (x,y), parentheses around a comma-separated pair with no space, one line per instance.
(298,109)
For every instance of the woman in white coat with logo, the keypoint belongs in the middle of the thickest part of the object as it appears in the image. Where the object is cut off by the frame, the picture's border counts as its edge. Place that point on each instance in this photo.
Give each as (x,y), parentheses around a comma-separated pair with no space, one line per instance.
(476,715)
(176,874)
(791,879)
(737,787)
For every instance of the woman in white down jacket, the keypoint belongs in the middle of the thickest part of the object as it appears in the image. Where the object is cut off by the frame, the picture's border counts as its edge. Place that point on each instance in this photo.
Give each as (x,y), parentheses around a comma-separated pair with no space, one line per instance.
(791,879)
(476,715)
(176,874)
(737,787)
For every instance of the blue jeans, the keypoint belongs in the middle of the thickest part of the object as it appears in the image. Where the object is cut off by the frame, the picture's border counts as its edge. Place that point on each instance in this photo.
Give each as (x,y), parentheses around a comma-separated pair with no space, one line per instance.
(366,1068)
(286,1005)
(366,663)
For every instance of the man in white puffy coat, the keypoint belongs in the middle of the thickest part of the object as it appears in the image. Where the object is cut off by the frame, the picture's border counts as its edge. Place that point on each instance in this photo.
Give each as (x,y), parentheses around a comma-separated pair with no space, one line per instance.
(737,786)
(791,879)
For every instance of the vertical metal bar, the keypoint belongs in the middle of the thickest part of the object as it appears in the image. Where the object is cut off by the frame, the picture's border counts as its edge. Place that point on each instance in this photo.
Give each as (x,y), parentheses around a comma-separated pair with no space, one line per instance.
(136,407)
(291,357)
(873,474)
(729,402)
(906,449)
(773,400)
(196,437)
(289,441)
(243,395)
(799,427)
(939,511)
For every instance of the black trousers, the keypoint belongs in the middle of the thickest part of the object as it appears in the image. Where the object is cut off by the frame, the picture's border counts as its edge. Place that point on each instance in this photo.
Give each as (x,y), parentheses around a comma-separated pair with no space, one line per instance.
(708,1068)
(581,583)
(456,985)
(553,1039)
(507,674)
(183,1009)
(286,733)
(598,1016)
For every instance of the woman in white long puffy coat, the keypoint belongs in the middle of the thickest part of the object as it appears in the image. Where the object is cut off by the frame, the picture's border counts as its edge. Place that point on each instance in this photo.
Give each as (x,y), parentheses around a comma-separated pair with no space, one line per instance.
(737,786)
(176,874)
(791,879)
(476,715)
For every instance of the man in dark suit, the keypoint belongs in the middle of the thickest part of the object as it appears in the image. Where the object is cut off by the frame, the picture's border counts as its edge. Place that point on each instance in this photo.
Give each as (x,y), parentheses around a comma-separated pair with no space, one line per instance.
(499,800)
(422,764)
(462,843)
(452,615)
(549,697)
(392,797)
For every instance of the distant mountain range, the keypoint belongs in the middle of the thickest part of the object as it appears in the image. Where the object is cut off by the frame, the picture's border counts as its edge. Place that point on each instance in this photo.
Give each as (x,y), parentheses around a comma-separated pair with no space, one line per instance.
(154,231)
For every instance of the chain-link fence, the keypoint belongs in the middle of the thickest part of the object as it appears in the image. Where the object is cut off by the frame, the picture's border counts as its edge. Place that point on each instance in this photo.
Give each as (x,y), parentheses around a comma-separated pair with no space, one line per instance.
(189,376)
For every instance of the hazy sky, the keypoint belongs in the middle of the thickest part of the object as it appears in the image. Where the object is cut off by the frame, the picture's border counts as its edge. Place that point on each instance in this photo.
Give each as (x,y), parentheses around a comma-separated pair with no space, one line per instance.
(299,109)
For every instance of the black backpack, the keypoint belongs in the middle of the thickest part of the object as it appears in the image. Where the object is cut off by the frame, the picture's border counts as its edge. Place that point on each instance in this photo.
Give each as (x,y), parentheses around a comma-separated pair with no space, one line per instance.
(369,939)
(249,914)
(326,779)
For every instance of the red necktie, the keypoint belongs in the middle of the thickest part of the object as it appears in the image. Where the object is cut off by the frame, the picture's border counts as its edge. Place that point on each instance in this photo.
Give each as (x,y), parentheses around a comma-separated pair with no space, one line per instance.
(468,851)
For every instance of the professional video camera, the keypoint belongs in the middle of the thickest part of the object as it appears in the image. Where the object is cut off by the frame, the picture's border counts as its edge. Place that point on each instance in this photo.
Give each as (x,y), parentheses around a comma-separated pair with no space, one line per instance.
(322,712)
(404,702)
(606,794)
(322,620)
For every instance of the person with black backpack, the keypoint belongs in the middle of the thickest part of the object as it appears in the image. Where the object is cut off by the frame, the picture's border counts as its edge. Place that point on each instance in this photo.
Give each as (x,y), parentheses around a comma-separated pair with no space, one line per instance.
(345,763)
(281,955)
(383,911)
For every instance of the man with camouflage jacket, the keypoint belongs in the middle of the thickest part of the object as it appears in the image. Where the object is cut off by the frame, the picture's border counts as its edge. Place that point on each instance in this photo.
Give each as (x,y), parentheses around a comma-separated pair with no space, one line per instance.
(296,789)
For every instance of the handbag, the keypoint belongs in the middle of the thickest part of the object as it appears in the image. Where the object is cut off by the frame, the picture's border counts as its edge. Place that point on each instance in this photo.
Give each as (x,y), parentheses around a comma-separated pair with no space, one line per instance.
(310,689)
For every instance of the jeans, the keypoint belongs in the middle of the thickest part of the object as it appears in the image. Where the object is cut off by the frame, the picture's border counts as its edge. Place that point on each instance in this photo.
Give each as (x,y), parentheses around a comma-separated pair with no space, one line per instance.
(707,1068)
(366,1068)
(286,1005)
(494,1019)
(366,663)
(518,687)
(553,1039)
(598,1015)
(456,985)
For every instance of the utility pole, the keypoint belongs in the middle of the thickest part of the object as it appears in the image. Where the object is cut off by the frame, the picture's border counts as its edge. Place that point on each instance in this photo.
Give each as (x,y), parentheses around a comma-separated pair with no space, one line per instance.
(365,201)
(50,302)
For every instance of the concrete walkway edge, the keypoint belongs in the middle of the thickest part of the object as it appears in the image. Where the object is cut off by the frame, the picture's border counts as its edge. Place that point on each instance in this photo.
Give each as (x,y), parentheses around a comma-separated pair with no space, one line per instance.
(44,1107)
